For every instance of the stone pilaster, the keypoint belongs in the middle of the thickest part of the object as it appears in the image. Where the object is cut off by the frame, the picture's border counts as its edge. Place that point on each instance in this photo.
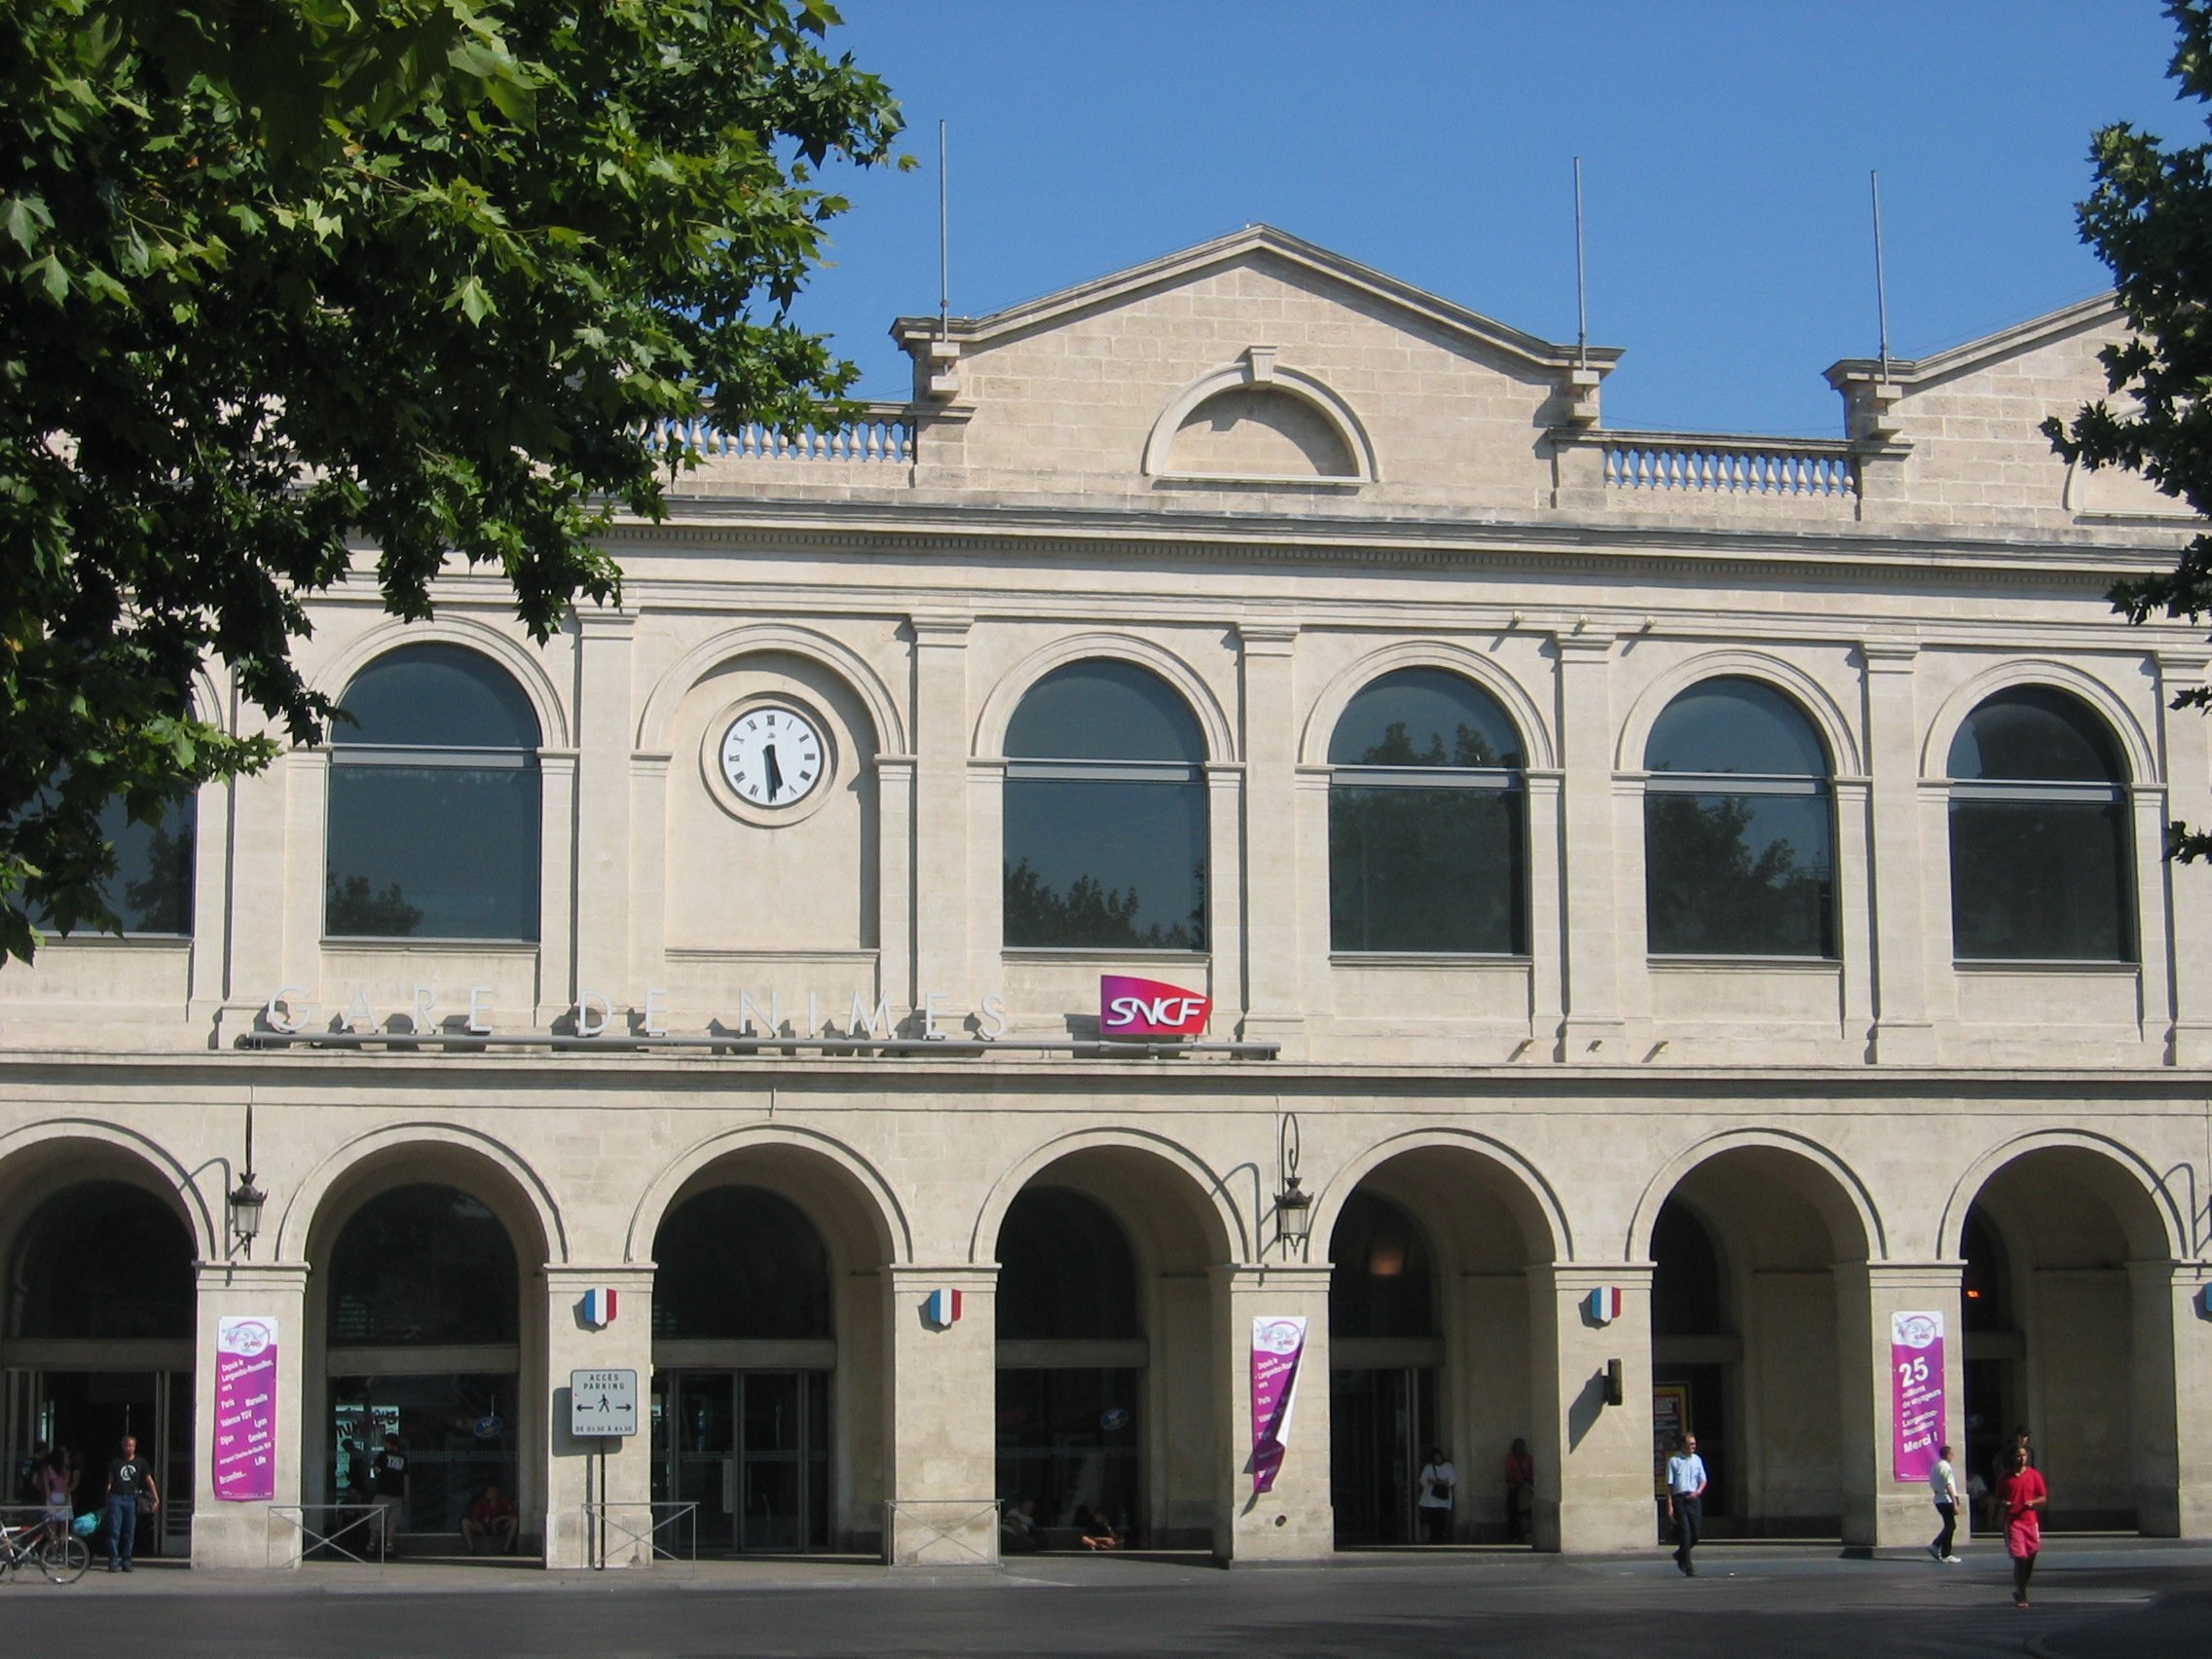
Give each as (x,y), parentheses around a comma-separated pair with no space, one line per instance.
(939,917)
(1903,1031)
(1878,1507)
(941,1473)
(1594,1464)
(1295,1520)
(1274,1009)
(253,1535)
(2186,737)
(573,1467)
(1592,1030)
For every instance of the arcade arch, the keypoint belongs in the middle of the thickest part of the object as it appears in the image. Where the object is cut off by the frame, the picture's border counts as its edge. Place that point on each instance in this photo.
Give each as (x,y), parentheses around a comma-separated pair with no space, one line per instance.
(2069,1334)
(98,1315)
(1430,1339)
(1108,1337)
(771,1370)
(418,1325)
(1751,1335)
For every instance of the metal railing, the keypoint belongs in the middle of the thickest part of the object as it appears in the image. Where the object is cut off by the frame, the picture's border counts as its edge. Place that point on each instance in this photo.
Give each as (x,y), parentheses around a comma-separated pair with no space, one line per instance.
(884,433)
(951,1523)
(345,1521)
(602,1518)
(1694,463)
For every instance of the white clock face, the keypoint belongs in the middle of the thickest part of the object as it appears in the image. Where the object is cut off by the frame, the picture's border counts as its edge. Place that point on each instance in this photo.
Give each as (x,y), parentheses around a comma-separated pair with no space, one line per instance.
(772,756)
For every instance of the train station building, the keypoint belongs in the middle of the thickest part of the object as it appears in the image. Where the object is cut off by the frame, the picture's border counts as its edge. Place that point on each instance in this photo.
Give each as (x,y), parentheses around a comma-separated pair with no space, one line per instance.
(1243,822)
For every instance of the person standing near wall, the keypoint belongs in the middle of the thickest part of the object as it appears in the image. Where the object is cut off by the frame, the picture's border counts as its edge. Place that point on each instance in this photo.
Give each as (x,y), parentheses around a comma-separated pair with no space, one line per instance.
(1438,1479)
(1520,1492)
(130,1487)
(389,1471)
(1943,1482)
(1685,1500)
(2021,1500)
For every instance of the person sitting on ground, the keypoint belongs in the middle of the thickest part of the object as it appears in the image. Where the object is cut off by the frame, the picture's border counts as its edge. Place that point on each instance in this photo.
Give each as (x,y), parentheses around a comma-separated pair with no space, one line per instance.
(1017,1528)
(1099,1533)
(491,1516)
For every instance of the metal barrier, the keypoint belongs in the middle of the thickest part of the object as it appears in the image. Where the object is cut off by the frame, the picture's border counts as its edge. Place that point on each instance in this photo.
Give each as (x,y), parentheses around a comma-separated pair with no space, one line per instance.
(658,1518)
(347,1518)
(942,1532)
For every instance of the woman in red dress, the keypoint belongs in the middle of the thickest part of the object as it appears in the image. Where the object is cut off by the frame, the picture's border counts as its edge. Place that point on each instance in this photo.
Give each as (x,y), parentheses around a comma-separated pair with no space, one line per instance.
(2022,1498)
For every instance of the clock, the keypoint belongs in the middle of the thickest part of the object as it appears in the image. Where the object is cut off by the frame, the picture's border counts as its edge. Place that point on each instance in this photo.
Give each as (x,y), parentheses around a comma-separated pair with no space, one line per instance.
(772,756)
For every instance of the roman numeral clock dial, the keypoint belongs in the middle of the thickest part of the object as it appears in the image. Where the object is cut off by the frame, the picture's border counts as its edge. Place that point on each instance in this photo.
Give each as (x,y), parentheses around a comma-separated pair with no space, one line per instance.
(772,756)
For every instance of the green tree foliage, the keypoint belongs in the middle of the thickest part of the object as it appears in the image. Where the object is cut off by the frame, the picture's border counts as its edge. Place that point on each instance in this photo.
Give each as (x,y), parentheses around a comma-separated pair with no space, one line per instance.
(285,280)
(1091,916)
(2150,219)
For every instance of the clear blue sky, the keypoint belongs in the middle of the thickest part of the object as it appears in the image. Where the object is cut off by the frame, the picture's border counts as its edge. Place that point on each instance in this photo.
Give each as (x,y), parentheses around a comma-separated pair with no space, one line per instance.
(1725,150)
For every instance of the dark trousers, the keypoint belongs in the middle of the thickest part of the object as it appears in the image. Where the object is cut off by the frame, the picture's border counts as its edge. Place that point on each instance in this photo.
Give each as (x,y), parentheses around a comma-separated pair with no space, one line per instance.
(1435,1525)
(1690,1521)
(1950,1512)
(122,1529)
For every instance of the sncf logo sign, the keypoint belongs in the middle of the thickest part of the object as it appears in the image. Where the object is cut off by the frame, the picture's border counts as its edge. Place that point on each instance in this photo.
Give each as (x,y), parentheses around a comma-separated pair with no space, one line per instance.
(1147,1007)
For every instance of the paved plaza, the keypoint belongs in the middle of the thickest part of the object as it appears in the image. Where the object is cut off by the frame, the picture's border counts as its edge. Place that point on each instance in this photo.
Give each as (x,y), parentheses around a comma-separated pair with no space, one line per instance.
(2096,1600)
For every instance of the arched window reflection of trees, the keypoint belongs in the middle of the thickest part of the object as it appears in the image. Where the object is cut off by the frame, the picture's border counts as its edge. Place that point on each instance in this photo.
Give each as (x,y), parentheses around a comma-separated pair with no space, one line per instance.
(2040,842)
(740,1264)
(434,829)
(1739,826)
(422,1267)
(149,890)
(102,1261)
(1382,1283)
(1427,843)
(1105,814)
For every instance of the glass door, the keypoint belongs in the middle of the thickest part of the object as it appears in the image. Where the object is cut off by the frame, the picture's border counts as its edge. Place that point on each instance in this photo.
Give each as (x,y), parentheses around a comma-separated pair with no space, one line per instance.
(752,1449)
(1381,1422)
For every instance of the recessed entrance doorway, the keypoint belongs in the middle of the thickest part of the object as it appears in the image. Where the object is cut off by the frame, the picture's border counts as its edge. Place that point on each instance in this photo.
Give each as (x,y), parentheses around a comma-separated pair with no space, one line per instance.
(752,1449)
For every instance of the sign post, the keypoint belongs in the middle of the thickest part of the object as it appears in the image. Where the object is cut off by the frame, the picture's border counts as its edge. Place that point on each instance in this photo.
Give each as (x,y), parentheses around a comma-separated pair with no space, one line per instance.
(602,1406)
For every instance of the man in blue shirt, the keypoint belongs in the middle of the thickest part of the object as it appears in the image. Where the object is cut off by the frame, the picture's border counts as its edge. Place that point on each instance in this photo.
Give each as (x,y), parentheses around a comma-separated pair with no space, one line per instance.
(1685,1500)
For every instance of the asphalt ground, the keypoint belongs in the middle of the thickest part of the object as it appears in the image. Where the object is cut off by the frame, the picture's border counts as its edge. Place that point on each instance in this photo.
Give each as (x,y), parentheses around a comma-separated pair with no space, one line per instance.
(2111,1600)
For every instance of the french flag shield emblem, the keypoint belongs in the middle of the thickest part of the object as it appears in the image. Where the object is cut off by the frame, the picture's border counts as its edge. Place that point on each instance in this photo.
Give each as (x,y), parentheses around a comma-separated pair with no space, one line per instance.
(941,1308)
(1603,1304)
(598,1309)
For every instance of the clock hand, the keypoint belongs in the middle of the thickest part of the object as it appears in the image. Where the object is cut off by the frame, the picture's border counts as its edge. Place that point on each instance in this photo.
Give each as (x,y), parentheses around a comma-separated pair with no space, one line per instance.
(775,772)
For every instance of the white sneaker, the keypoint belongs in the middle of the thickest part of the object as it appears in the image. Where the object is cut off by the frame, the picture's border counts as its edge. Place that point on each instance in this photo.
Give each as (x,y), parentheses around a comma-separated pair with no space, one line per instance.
(1954,1561)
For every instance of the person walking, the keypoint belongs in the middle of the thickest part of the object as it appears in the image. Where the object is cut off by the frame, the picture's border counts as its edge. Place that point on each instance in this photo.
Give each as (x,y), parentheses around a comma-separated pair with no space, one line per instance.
(1438,1479)
(1520,1492)
(1685,1500)
(2021,1500)
(389,1475)
(130,1488)
(1943,1482)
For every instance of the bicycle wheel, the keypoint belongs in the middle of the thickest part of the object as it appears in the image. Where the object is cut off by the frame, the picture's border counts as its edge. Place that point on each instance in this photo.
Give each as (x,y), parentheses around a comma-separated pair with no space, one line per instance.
(64,1559)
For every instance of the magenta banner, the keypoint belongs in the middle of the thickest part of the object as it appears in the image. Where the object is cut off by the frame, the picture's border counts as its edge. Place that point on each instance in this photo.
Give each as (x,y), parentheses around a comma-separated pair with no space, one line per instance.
(1916,1383)
(1277,1346)
(245,1409)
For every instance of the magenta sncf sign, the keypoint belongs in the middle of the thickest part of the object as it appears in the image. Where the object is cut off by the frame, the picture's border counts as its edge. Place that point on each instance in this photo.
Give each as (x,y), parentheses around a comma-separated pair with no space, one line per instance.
(1130,1007)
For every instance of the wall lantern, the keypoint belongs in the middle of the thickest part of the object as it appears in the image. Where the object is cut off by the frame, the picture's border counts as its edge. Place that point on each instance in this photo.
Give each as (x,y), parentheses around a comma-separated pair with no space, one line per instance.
(1294,1207)
(247,1199)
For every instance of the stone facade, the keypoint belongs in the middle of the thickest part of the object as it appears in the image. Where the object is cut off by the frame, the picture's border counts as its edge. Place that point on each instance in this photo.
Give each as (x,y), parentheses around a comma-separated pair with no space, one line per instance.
(1268,476)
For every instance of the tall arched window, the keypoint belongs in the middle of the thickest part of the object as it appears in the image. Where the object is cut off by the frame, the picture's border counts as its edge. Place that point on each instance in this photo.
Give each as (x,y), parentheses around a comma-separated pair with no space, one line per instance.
(2040,842)
(422,1267)
(1105,819)
(1382,1283)
(1427,849)
(1739,831)
(433,827)
(740,1264)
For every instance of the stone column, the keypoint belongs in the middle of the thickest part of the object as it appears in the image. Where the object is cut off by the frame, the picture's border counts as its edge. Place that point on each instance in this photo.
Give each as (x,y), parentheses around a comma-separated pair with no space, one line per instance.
(942,1452)
(1903,1031)
(1878,1508)
(602,814)
(1593,1464)
(1547,963)
(249,1535)
(572,1466)
(2169,1379)
(1592,1030)
(938,920)
(1273,1010)
(2186,737)
(1295,1520)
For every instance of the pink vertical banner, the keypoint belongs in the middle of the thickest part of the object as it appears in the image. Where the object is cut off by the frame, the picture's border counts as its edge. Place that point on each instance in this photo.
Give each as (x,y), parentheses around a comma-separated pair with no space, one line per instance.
(1277,1346)
(245,1409)
(1916,1398)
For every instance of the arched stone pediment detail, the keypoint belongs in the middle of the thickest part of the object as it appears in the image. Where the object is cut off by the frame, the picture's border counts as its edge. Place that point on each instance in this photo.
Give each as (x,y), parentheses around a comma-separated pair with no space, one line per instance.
(526,669)
(1539,754)
(1808,695)
(1006,696)
(1257,371)
(2135,744)
(702,660)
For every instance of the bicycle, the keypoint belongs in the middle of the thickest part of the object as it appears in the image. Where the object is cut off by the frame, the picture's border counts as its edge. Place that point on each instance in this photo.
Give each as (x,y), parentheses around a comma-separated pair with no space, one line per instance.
(53,1549)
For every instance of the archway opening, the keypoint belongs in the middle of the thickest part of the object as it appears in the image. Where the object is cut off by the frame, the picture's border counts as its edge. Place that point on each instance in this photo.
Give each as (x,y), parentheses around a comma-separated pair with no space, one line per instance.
(98,1339)
(425,1377)
(1109,1352)
(770,1359)
(2059,1341)
(1747,1347)
(1430,1349)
